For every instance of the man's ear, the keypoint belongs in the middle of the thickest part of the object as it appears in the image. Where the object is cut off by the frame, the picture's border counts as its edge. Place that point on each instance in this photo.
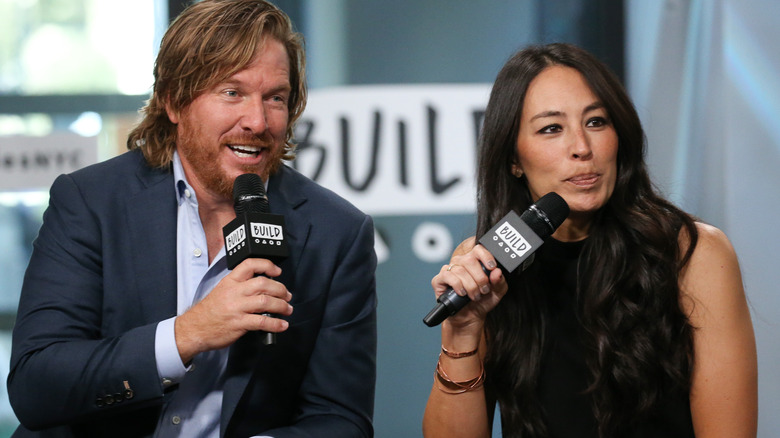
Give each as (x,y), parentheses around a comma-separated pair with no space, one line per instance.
(173,115)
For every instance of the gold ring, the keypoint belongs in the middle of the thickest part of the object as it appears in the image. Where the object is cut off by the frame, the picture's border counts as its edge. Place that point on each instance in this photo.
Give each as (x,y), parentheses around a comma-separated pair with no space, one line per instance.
(449,268)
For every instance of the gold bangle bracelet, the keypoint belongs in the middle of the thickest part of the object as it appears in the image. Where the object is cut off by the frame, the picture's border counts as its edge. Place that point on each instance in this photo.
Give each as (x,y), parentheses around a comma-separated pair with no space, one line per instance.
(458,355)
(449,386)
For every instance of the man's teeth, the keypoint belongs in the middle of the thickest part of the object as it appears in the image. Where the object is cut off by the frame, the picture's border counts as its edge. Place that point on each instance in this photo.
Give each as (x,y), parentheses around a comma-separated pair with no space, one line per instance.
(245,151)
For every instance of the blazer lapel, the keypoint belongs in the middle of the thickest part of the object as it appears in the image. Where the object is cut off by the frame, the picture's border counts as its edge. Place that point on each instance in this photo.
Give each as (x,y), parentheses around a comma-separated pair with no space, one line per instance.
(284,199)
(151,222)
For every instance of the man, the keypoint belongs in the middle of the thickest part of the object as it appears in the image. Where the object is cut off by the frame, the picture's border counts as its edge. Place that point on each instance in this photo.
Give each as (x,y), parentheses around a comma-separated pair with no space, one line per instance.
(130,323)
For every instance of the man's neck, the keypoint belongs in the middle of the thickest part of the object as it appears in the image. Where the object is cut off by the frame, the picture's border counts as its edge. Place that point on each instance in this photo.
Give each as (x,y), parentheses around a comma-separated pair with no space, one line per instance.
(213,220)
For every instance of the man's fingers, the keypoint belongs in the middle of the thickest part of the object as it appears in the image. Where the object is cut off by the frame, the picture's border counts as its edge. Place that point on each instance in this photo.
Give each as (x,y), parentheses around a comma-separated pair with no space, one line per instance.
(269,323)
(265,286)
(269,304)
(253,267)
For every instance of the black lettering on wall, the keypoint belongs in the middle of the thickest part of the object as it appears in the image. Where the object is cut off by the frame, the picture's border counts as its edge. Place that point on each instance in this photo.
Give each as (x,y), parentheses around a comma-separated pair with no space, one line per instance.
(403,175)
(346,156)
(41,160)
(306,143)
(478,117)
(437,186)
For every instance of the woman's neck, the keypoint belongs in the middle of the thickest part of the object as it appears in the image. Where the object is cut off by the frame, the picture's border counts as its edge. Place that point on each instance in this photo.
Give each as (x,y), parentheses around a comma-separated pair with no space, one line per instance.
(573,229)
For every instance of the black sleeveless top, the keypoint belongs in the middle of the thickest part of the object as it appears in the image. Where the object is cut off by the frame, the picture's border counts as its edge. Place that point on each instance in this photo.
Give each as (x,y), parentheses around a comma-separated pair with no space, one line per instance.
(564,375)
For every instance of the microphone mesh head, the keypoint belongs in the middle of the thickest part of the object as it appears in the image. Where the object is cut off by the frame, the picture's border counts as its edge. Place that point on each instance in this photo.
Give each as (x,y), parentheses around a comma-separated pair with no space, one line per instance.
(249,194)
(546,215)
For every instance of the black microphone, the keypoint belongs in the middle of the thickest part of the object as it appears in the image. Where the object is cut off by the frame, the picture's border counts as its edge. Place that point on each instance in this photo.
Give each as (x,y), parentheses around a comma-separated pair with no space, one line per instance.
(255,232)
(512,241)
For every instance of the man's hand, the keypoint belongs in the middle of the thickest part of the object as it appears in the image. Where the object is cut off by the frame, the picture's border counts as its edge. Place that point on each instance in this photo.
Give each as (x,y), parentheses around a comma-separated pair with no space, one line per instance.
(233,308)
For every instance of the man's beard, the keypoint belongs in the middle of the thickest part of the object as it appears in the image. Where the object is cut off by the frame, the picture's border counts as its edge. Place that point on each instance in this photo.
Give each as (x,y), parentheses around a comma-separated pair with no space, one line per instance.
(205,163)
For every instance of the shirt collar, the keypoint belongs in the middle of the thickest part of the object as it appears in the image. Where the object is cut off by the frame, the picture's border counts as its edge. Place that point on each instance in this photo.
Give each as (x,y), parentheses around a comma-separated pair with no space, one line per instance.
(183,187)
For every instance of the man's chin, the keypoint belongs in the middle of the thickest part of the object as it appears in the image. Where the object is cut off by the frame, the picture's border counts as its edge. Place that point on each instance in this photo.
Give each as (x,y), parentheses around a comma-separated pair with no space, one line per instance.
(225,185)
(264,170)
(272,168)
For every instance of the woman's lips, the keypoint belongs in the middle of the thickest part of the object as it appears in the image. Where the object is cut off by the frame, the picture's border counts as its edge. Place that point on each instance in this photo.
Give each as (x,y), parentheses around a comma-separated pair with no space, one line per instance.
(584,179)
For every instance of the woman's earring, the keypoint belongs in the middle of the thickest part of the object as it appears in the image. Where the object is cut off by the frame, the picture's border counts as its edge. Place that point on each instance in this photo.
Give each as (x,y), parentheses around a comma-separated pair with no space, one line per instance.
(517,172)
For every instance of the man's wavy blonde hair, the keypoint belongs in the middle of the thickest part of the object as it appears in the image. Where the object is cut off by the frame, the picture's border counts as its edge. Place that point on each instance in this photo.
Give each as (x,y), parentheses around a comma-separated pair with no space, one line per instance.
(209,42)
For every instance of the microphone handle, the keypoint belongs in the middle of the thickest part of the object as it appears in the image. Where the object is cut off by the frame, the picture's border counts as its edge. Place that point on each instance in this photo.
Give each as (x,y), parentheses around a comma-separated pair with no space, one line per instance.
(267,338)
(448,304)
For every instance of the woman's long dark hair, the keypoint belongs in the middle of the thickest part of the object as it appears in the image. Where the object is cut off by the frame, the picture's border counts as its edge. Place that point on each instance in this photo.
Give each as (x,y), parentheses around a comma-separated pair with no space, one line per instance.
(639,342)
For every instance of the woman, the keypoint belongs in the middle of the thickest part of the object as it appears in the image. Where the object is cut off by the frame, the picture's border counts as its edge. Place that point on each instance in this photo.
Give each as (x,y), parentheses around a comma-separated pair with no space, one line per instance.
(632,320)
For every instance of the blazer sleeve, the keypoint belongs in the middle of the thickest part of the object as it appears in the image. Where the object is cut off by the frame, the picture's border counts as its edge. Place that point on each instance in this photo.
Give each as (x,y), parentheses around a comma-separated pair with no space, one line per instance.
(337,394)
(64,366)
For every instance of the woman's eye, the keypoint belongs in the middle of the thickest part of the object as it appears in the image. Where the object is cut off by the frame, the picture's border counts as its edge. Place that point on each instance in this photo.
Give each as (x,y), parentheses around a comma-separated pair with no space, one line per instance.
(550,129)
(231,93)
(597,122)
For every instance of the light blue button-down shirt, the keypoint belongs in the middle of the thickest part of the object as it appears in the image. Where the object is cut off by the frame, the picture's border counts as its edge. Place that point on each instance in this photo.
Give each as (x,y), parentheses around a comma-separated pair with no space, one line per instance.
(194,411)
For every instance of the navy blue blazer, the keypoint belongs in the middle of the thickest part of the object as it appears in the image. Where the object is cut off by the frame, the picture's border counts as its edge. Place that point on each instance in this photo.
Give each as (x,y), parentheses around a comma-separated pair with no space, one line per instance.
(103,274)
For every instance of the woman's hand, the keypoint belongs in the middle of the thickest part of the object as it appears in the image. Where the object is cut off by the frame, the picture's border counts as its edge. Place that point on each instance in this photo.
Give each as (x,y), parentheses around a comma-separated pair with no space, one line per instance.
(464,274)
(464,414)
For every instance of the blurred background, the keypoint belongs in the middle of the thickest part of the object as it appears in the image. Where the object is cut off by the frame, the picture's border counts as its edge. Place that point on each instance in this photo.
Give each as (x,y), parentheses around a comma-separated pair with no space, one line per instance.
(703,76)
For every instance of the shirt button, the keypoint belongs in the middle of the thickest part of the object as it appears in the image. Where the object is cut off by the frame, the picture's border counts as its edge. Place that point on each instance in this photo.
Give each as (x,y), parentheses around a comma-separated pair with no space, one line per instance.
(166,382)
(187,193)
(197,252)
(175,419)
